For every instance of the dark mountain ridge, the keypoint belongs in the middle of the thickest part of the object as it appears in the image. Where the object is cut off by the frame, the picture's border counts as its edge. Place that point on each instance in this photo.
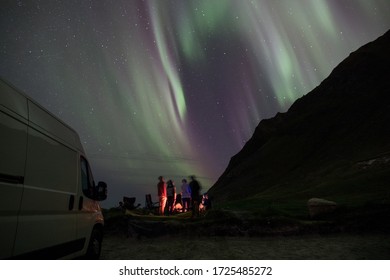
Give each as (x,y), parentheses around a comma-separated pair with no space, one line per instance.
(333,142)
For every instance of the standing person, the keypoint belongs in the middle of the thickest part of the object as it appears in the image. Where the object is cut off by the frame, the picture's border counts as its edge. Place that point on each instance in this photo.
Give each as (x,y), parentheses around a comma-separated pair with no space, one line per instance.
(162,194)
(171,194)
(185,195)
(195,196)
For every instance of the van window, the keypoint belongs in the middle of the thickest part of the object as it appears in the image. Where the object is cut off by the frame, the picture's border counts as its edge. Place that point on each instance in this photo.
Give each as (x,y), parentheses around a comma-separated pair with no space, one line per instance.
(87,183)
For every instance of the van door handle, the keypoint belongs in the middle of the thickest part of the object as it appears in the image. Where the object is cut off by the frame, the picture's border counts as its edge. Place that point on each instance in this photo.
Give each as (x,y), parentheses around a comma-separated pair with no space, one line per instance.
(71,202)
(81,200)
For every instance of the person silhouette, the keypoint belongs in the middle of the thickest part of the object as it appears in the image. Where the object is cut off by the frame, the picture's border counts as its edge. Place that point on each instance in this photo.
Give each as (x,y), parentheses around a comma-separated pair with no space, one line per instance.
(185,195)
(171,195)
(195,196)
(162,194)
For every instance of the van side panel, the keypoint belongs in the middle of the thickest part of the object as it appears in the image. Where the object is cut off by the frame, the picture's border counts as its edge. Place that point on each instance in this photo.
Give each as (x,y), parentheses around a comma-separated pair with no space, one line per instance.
(52,126)
(13,143)
(50,164)
(12,100)
(48,210)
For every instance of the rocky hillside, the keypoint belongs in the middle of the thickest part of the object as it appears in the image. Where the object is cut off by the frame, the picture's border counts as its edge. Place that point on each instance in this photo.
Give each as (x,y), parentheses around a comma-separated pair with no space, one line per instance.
(333,142)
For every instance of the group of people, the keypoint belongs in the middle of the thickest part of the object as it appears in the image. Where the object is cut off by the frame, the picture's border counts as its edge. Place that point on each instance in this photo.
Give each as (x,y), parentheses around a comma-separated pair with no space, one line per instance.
(190,198)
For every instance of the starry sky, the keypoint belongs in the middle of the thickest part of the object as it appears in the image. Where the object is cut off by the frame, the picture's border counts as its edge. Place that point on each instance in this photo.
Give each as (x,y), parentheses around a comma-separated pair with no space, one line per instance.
(175,87)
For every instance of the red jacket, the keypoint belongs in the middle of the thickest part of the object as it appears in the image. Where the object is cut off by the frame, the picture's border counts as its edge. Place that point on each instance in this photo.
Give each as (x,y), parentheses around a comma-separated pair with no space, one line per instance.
(162,189)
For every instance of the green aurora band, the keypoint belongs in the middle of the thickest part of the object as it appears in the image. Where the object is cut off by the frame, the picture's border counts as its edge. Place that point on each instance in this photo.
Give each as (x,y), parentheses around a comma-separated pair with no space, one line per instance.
(175,88)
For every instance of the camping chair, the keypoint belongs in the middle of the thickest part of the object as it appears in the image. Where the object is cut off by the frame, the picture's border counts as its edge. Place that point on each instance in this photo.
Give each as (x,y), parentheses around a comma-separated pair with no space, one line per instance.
(149,204)
(128,203)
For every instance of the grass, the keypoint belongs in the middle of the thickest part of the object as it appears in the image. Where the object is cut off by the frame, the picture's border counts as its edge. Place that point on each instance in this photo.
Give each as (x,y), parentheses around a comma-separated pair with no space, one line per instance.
(349,186)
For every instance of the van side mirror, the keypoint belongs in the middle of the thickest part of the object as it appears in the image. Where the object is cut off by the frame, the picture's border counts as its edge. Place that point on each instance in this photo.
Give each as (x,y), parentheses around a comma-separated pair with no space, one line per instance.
(101,191)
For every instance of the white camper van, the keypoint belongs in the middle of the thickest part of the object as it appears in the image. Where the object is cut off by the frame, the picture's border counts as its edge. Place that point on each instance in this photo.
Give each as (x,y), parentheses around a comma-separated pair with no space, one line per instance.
(48,199)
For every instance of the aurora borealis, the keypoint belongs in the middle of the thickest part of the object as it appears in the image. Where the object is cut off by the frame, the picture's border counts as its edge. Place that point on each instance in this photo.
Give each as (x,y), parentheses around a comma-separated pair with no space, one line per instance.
(175,88)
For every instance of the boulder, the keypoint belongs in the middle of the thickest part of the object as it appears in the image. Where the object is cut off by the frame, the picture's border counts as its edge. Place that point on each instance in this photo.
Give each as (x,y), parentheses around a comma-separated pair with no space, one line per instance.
(319,207)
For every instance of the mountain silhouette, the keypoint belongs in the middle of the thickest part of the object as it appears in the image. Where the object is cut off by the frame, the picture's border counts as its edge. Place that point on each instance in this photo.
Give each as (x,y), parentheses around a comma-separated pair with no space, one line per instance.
(334,142)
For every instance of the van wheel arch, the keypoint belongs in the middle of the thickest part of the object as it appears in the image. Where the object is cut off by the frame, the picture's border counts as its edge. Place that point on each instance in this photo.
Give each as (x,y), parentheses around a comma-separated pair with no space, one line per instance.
(95,243)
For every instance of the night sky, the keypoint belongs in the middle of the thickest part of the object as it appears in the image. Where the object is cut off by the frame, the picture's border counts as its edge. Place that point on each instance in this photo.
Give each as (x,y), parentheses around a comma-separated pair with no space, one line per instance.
(175,88)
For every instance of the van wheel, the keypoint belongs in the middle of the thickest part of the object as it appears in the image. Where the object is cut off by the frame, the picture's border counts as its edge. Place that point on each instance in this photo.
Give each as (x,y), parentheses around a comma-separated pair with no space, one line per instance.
(95,245)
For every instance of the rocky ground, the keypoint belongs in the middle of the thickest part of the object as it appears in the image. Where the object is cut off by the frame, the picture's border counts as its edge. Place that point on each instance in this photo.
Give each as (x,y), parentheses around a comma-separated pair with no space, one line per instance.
(313,247)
